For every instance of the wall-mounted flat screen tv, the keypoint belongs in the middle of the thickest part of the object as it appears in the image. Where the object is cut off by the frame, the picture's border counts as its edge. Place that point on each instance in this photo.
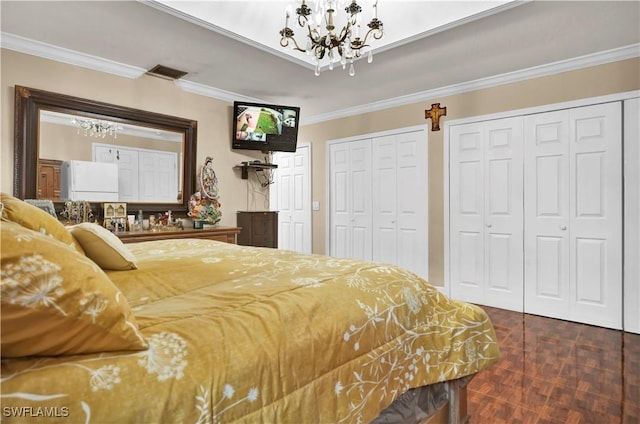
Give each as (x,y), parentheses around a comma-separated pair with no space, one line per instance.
(265,127)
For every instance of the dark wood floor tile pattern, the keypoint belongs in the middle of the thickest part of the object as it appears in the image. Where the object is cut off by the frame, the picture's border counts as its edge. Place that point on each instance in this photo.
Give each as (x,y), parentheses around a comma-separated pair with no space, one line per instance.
(557,372)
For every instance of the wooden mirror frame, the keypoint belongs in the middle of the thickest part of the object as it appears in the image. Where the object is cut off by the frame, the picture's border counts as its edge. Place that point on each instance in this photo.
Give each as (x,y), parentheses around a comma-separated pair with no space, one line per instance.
(29,101)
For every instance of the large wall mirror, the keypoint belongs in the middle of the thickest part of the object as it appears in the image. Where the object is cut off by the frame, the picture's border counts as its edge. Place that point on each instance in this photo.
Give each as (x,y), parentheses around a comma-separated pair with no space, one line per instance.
(69,148)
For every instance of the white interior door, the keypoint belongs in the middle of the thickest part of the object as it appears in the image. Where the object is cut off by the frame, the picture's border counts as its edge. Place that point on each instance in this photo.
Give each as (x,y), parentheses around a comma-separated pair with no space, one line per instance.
(158,172)
(291,196)
(350,204)
(128,176)
(547,216)
(573,214)
(399,198)
(466,212)
(503,232)
(413,210)
(486,197)
(596,210)
(384,199)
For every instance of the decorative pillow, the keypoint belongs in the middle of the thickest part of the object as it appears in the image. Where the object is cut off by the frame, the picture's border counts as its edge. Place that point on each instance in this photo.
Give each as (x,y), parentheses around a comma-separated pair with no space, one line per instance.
(103,247)
(56,301)
(36,219)
(44,204)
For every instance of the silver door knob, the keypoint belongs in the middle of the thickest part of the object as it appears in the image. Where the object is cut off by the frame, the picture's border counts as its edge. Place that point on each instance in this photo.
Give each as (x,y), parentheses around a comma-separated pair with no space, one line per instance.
(489,225)
(563,227)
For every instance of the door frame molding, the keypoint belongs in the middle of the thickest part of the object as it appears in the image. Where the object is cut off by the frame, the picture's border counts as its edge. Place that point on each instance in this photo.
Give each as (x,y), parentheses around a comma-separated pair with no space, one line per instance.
(631,196)
(506,114)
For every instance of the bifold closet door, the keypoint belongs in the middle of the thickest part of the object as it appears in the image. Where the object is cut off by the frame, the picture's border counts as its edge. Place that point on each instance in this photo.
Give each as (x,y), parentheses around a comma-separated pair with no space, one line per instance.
(486,195)
(573,214)
(350,191)
(399,198)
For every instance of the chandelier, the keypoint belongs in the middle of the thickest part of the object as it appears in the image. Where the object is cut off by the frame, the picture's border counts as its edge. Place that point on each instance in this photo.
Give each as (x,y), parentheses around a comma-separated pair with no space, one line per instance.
(337,46)
(96,128)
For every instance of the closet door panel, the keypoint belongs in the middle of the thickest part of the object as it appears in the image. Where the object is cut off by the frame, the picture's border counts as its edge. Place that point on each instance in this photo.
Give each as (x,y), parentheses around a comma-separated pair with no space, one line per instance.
(340,214)
(546,214)
(466,175)
(384,199)
(573,215)
(551,272)
(412,212)
(360,197)
(596,211)
(503,194)
(350,191)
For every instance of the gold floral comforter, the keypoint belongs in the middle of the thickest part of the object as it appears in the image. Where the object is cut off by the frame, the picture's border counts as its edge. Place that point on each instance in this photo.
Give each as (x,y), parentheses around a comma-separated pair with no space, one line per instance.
(243,334)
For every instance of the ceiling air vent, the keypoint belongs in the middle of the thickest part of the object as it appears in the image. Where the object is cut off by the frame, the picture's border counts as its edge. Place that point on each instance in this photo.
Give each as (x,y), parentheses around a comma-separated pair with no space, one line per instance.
(166,72)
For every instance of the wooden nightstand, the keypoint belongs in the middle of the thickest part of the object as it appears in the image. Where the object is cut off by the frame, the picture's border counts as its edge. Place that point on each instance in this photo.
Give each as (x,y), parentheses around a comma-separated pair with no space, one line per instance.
(259,229)
(226,234)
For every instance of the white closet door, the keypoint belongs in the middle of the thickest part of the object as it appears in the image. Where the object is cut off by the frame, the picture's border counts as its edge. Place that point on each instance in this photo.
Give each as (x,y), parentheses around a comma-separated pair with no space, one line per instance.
(399,199)
(503,233)
(412,192)
(573,215)
(486,198)
(596,210)
(384,199)
(350,185)
(466,239)
(546,187)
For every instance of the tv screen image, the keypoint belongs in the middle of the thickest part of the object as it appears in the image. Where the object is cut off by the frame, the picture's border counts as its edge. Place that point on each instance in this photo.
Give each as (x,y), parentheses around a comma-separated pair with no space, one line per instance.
(265,127)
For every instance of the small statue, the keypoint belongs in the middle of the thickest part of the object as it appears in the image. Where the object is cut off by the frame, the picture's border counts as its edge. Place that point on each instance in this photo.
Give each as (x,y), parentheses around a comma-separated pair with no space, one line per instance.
(204,205)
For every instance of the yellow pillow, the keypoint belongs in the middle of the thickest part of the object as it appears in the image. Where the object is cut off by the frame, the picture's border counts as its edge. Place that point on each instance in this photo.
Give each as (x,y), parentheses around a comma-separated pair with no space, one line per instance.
(55,301)
(103,247)
(36,219)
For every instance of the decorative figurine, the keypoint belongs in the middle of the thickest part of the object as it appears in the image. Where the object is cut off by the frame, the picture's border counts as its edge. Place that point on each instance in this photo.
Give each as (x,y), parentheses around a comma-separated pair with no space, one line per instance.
(204,205)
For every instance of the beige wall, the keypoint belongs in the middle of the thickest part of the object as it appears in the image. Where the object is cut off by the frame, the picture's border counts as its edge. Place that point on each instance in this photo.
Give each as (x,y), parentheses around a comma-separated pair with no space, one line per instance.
(147,93)
(213,116)
(589,82)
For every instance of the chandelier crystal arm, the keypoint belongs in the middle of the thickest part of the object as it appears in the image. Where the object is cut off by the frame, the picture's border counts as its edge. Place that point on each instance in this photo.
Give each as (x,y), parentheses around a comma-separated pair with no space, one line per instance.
(286,35)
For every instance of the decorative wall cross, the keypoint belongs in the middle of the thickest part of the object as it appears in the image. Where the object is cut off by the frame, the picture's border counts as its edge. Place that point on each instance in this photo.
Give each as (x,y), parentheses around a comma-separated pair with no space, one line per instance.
(434,114)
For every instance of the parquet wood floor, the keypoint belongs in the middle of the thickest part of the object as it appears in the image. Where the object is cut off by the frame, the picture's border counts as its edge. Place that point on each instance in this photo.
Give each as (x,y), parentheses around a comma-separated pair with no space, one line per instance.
(557,372)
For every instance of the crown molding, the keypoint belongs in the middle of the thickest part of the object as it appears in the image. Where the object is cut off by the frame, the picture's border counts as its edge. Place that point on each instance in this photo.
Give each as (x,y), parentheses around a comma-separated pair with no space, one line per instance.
(72,57)
(230,34)
(216,93)
(594,59)
(48,51)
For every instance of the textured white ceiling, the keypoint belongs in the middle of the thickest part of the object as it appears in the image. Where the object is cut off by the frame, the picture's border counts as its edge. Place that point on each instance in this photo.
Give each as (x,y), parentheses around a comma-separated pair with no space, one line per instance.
(495,47)
(258,23)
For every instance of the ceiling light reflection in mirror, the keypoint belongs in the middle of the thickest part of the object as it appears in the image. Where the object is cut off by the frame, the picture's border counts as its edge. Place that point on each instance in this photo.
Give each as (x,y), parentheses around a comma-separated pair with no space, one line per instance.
(139,151)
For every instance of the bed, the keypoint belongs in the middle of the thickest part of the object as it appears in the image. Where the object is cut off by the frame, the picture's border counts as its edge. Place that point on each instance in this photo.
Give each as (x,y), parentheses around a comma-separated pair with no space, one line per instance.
(199,331)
